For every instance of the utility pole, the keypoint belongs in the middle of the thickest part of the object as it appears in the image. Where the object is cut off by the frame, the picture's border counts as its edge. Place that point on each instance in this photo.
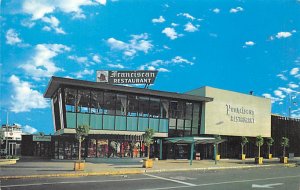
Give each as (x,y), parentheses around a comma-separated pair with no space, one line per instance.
(6,136)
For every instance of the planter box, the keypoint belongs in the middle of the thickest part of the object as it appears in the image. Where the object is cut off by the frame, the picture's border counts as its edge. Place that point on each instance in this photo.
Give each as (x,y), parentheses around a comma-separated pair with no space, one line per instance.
(79,165)
(243,156)
(284,160)
(270,156)
(259,160)
(147,163)
(218,157)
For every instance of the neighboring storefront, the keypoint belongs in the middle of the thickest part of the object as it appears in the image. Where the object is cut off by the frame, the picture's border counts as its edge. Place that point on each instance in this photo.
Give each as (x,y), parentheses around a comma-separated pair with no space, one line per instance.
(119,115)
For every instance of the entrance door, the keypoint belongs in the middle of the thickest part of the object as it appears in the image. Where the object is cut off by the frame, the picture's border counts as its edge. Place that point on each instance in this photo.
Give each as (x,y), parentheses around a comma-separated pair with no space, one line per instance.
(12,148)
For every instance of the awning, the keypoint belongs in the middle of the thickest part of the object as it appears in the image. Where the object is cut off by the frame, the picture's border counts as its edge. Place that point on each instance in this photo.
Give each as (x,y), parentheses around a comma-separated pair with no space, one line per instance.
(195,140)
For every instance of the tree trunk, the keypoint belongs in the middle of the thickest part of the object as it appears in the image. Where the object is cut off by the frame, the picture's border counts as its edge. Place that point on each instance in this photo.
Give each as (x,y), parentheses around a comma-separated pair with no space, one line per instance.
(148,151)
(79,151)
(283,151)
(269,150)
(242,149)
(258,151)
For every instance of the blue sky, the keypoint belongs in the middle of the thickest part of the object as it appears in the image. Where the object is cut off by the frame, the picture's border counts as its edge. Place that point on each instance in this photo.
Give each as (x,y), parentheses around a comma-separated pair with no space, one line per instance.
(235,45)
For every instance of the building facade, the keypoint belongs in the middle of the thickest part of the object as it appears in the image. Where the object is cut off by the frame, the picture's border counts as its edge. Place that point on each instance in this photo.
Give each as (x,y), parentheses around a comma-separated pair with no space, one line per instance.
(12,136)
(118,117)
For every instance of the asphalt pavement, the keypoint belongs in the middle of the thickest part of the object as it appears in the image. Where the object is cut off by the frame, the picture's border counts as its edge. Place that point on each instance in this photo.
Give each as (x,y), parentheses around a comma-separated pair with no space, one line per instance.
(33,168)
(282,177)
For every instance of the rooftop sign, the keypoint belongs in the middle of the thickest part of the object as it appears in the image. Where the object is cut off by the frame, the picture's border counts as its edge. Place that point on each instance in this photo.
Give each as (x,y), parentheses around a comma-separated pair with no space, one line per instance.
(127,77)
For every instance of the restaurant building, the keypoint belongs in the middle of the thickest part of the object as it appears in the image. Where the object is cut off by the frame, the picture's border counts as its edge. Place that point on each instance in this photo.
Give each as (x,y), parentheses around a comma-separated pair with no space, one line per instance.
(119,115)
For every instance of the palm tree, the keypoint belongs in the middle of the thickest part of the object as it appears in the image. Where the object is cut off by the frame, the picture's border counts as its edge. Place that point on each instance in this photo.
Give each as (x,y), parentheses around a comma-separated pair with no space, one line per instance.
(270,142)
(148,139)
(81,132)
(259,142)
(243,143)
(284,144)
(218,138)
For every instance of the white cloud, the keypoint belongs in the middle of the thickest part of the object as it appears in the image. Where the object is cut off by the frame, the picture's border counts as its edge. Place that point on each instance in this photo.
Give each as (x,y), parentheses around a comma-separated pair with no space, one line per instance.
(163,70)
(279,94)
(80,74)
(282,77)
(283,35)
(179,59)
(152,68)
(78,59)
(273,99)
(170,32)
(294,71)
(137,43)
(102,2)
(54,24)
(187,15)
(189,27)
(118,66)
(293,85)
(27,23)
(46,28)
(12,37)
(174,24)
(161,19)
(24,98)
(235,10)
(41,64)
(249,43)
(39,8)
(96,58)
(286,90)
(216,10)
(29,129)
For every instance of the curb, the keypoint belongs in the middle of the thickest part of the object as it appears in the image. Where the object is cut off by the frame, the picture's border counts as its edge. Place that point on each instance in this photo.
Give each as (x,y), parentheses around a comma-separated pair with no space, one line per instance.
(126,172)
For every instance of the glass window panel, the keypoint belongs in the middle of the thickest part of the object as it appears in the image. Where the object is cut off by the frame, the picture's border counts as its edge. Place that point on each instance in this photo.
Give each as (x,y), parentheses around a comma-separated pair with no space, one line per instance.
(155,110)
(70,95)
(196,120)
(121,104)
(164,107)
(188,110)
(180,110)
(83,100)
(109,103)
(143,106)
(133,105)
(97,102)
(173,108)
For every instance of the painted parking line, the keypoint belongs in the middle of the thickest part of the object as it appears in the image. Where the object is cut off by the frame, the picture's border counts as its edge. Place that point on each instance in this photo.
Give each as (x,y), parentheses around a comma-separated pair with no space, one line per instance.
(224,182)
(73,182)
(173,180)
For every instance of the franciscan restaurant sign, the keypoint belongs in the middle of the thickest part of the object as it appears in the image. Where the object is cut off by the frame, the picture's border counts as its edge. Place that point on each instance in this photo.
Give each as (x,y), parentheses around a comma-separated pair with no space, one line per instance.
(126,77)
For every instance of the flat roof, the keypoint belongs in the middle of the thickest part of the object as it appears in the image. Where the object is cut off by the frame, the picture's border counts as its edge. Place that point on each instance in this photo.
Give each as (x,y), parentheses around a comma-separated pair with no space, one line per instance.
(57,82)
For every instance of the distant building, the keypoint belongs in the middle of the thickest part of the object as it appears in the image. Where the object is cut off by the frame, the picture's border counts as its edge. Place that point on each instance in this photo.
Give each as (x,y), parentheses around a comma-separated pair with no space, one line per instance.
(12,136)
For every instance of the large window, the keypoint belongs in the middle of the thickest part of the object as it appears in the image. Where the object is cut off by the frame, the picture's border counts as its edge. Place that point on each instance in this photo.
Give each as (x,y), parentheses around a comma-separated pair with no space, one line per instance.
(155,110)
(70,99)
(109,103)
(97,102)
(133,105)
(121,105)
(143,106)
(83,101)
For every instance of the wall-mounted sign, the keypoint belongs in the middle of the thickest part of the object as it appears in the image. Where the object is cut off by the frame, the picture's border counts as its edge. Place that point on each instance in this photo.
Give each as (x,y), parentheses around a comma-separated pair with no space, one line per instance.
(41,138)
(127,77)
(240,114)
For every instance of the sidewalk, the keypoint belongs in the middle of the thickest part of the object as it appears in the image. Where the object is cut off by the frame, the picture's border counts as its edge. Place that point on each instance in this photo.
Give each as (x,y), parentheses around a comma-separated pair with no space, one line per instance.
(32,168)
